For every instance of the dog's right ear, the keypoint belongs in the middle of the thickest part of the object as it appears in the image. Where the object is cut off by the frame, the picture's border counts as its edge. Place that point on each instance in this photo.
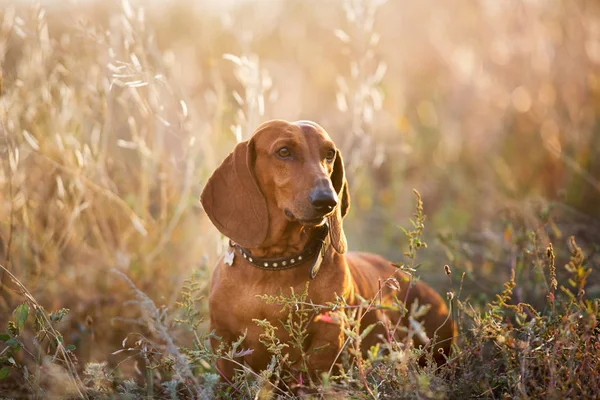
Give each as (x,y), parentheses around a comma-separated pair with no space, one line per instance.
(233,201)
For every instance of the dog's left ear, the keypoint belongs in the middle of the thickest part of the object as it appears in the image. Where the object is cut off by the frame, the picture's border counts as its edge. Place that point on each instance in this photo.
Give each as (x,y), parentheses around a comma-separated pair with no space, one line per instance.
(340,185)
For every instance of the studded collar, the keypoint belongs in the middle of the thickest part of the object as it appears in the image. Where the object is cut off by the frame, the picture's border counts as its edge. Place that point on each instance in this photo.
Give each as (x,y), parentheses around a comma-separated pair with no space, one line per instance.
(317,246)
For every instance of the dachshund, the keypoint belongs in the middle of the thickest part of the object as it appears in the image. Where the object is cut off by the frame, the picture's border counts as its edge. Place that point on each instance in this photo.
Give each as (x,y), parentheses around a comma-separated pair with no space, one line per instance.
(281,197)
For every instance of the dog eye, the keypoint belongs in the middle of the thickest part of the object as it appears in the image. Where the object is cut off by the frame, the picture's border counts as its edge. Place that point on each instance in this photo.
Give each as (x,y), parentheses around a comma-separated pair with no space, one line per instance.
(330,155)
(284,152)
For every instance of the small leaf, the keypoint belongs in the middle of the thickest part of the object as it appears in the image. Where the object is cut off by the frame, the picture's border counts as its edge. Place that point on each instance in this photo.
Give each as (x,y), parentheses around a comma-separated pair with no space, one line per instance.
(13,343)
(71,347)
(58,315)
(243,353)
(350,333)
(20,315)
(367,330)
(4,371)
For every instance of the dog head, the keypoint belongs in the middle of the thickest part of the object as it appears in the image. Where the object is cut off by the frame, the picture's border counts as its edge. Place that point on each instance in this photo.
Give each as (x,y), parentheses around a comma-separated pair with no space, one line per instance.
(286,172)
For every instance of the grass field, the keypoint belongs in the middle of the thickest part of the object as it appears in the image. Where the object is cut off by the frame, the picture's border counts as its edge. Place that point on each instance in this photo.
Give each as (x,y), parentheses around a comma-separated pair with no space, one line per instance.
(113,115)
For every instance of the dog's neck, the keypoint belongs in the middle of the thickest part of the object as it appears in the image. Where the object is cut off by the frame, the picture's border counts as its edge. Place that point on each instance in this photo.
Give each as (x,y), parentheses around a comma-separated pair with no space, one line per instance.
(285,239)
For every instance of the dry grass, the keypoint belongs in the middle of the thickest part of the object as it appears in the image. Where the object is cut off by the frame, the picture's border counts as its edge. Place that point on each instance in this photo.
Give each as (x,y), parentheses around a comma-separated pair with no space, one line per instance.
(113,115)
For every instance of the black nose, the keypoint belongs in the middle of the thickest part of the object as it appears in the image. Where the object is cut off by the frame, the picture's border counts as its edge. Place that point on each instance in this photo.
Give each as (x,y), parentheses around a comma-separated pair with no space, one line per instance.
(323,200)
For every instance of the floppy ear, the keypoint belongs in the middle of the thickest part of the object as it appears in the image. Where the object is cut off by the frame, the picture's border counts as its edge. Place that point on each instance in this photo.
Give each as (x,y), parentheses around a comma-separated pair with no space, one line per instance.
(340,185)
(233,201)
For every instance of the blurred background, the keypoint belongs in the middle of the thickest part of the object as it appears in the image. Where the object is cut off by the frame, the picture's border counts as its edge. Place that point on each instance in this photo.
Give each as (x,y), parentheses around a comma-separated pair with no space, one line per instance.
(114,114)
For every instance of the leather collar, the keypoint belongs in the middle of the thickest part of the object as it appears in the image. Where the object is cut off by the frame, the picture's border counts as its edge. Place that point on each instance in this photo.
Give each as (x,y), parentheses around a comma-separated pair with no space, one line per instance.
(318,245)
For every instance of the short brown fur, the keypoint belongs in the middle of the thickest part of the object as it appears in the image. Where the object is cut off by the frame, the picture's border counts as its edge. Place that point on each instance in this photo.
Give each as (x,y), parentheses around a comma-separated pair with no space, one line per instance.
(261,202)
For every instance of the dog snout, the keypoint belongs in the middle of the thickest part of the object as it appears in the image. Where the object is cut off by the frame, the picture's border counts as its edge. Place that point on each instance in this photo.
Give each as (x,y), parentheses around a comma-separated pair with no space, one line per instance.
(323,199)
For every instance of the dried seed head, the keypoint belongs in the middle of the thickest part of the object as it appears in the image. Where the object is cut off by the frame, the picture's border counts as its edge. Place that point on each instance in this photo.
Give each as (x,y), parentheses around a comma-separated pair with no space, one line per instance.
(447,269)
(551,266)
(550,251)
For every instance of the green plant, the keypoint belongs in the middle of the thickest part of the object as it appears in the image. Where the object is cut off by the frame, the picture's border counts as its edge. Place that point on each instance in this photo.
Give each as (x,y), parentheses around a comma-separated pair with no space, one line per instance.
(47,347)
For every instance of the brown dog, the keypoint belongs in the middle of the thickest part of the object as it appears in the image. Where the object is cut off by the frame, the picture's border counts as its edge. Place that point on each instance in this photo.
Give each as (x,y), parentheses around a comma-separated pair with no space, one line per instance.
(280,198)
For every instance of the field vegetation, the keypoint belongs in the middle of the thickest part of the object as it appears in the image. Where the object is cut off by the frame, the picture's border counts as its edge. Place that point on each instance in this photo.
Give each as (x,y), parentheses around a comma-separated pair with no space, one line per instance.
(113,115)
